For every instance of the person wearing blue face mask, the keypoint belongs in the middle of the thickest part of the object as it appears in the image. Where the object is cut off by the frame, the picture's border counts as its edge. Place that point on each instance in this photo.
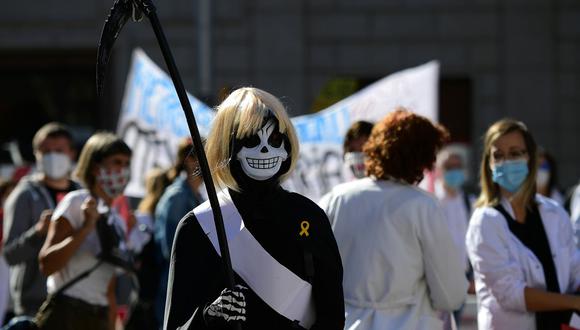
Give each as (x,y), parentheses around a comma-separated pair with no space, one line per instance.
(526,265)
(547,177)
(456,203)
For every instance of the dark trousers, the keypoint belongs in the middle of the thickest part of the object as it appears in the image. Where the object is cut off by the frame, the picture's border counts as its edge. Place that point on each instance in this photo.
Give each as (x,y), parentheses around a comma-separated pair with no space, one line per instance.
(67,313)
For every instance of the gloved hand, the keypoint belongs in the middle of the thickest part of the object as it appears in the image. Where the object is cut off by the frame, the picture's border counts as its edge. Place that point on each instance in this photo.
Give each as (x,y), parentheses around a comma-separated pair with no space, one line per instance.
(230,306)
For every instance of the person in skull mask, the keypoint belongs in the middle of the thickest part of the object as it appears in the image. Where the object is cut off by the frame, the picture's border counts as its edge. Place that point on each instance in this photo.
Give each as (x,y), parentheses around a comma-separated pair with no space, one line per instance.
(283,252)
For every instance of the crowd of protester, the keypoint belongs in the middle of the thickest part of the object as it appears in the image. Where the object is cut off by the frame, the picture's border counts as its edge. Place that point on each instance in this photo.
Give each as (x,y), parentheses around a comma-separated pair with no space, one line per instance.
(410,256)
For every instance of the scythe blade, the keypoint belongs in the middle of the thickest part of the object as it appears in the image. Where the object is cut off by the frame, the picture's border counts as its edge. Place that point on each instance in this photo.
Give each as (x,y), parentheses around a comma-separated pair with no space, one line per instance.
(118,16)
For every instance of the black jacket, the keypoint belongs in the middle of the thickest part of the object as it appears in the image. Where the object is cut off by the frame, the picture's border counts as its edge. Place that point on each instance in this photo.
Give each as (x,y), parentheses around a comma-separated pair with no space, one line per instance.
(274,218)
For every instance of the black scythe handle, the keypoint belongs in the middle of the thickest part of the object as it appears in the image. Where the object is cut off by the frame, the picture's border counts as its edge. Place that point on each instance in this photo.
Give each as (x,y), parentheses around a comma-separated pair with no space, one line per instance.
(149,10)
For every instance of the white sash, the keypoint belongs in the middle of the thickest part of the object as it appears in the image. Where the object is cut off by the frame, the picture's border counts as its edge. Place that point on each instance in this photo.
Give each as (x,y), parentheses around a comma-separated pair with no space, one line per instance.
(280,288)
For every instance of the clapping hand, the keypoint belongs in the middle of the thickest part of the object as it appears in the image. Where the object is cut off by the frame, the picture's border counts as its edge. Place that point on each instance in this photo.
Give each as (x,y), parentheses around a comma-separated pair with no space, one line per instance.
(89,208)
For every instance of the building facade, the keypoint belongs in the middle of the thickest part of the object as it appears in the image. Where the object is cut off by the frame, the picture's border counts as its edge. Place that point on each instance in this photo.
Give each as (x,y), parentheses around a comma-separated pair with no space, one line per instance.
(516,58)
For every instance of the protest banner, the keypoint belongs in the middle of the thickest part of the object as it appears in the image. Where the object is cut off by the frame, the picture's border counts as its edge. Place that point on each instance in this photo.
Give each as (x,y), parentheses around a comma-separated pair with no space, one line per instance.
(320,166)
(152,122)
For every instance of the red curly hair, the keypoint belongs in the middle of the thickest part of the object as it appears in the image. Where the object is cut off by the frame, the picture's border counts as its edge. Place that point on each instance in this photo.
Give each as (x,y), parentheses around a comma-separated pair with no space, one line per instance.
(402,146)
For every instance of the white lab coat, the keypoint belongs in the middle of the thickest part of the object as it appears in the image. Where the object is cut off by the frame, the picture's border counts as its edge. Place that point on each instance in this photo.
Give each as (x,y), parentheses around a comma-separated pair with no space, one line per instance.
(503,266)
(457,215)
(400,263)
(575,213)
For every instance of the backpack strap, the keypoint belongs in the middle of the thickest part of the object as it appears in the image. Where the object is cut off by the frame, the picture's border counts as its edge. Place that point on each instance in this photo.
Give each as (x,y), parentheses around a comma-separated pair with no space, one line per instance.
(77,278)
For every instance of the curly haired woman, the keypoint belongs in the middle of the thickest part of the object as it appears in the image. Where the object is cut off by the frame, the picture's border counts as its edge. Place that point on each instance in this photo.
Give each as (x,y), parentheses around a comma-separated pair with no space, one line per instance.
(400,264)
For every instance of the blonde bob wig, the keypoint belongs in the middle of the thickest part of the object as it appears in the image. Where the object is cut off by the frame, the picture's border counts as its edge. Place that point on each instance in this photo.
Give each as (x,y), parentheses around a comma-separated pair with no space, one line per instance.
(490,191)
(242,113)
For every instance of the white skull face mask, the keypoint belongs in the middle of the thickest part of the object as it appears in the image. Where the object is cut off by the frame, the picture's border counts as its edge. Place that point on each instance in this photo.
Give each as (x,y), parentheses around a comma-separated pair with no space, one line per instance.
(262,154)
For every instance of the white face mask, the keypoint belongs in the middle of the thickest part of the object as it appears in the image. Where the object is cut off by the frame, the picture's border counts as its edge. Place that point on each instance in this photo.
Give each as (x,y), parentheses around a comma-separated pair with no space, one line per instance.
(262,159)
(356,162)
(55,165)
(542,177)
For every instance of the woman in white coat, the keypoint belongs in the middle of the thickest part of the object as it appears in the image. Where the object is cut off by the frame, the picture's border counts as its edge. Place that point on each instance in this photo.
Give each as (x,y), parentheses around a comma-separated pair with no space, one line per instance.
(520,244)
(400,263)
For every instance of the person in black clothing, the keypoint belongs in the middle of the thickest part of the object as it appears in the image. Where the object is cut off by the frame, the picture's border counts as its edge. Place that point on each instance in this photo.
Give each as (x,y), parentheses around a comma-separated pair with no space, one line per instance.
(284,254)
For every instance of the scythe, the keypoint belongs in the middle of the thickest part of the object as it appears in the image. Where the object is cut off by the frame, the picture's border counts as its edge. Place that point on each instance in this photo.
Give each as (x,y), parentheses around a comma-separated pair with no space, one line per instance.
(120,13)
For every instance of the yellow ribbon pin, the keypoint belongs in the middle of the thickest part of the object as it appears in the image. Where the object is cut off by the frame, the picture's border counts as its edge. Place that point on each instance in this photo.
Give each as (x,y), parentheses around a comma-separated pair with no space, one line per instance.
(304,225)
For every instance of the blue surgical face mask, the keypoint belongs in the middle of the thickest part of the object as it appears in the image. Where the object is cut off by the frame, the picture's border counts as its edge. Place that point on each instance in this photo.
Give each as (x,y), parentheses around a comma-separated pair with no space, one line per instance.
(510,174)
(454,178)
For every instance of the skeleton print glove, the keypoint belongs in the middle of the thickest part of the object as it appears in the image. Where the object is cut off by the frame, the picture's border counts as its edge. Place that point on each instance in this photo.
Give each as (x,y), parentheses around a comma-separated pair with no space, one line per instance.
(228,307)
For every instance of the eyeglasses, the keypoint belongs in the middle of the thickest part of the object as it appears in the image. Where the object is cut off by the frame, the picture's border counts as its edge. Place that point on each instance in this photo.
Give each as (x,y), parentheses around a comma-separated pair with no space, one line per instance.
(499,157)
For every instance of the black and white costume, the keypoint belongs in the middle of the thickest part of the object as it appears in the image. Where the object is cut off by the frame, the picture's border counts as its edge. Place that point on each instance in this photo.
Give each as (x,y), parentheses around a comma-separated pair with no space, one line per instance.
(285,255)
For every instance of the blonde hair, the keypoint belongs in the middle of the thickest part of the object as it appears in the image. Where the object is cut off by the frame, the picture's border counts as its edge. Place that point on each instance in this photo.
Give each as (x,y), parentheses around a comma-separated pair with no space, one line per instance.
(98,147)
(490,192)
(242,113)
(155,183)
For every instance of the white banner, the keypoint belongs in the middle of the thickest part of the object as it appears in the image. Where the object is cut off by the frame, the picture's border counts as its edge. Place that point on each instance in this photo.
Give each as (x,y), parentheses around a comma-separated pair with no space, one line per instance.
(152,122)
(321,134)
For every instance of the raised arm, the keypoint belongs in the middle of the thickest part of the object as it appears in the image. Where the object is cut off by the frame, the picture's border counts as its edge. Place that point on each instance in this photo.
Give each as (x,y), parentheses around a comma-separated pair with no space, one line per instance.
(63,240)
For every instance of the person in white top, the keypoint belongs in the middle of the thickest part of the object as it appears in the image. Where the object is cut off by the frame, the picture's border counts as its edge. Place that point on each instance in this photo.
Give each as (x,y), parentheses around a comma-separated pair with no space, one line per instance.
(73,245)
(400,263)
(520,244)
(547,177)
(355,137)
(456,203)
(575,213)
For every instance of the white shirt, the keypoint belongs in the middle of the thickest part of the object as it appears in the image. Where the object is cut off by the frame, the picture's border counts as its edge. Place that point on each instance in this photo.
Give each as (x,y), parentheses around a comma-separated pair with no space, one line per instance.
(457,216)
(557,197)
(575,214)
(400,263)
(140,234)
(504,266)
(92,289)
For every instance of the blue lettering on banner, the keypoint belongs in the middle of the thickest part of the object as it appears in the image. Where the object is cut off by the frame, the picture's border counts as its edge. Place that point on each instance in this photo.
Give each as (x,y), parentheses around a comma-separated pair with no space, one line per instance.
(152,118)
(152,98)
(326,127)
